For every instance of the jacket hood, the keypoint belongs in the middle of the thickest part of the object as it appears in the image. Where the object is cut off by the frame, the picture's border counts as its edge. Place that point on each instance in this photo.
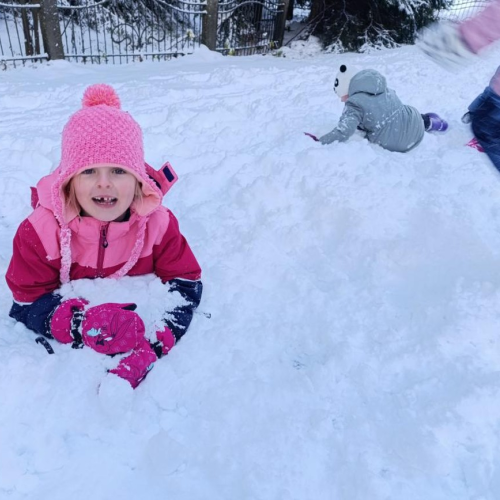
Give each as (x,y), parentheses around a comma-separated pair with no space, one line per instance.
(368,81)
(49,193)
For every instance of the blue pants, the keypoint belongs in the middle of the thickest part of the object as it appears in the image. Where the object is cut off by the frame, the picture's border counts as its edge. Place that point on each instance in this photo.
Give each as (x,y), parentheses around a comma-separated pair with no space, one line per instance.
(485,114)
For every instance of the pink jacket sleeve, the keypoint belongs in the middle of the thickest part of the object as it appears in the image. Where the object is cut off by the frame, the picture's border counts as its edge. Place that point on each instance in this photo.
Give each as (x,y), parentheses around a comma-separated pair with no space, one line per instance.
(31,274)
(173,256)
(176,264)
(482,29)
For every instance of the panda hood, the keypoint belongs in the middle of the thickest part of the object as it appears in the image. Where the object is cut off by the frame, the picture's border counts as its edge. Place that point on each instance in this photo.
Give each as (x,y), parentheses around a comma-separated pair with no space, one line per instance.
(368,81)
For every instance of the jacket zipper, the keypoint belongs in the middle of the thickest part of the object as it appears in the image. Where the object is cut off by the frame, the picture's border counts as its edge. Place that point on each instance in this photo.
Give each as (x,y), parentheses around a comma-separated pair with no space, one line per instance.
(103,244)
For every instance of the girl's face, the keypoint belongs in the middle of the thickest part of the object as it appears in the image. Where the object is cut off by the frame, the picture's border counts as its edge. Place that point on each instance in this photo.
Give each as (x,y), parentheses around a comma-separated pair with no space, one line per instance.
(105,193)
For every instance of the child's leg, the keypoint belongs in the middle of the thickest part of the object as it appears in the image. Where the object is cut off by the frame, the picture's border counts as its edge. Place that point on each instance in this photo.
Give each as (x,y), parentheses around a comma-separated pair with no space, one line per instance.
(493,152)
(494,156)
(486,127)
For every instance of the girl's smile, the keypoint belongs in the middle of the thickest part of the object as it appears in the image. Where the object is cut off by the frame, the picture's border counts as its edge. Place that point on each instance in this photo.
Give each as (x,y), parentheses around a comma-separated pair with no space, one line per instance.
(105,201)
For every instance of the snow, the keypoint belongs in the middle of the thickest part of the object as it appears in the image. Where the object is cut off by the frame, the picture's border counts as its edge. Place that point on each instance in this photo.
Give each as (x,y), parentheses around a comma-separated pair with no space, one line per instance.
(353,348)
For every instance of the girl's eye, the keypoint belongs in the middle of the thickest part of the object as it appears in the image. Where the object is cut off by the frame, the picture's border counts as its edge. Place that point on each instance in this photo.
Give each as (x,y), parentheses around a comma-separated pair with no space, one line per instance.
(119,171)
(88,171)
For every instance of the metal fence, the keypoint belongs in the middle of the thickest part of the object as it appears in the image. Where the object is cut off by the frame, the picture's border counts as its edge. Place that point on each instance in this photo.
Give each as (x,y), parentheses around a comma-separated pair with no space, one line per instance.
(101,31)
(463,9)
(249,27)
(116,31)
(105,32)
(20,33)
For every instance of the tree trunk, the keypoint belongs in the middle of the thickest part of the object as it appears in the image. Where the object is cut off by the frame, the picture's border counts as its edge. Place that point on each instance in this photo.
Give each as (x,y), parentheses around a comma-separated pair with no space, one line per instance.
(209,28)
(51,31)
(28,41)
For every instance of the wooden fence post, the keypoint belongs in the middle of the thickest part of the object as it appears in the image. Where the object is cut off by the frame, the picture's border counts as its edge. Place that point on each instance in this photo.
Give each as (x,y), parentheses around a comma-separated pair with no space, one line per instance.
(51,30)
(209,26)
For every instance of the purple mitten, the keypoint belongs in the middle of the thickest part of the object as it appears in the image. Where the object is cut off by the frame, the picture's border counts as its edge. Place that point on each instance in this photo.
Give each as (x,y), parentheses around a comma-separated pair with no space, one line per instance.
(112,328)
(311,136)
(137,364)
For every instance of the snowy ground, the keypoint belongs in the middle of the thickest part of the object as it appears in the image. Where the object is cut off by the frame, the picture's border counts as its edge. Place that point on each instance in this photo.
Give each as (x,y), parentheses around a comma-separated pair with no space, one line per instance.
(353,350)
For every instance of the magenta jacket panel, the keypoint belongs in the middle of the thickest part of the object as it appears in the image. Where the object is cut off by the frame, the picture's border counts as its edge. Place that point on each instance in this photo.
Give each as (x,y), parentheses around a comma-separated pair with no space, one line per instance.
(98,250)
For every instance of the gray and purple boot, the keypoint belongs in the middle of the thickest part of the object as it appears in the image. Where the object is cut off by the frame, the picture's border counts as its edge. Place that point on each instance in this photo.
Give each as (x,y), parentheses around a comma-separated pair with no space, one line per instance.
(434,123)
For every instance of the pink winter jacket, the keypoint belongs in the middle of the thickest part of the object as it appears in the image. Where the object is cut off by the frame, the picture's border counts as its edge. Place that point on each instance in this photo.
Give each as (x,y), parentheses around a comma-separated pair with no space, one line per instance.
(482,30)
(98,249)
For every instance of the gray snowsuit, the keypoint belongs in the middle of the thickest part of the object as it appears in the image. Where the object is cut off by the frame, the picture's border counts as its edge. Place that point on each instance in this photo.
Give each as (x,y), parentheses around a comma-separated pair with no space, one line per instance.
(377,110)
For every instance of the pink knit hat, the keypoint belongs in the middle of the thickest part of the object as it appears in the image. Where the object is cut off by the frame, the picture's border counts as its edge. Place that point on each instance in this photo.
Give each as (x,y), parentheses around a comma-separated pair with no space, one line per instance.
(102,134)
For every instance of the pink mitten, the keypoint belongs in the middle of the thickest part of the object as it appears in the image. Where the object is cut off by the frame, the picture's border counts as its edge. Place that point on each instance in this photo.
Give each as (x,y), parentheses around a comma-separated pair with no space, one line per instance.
(108,328)
(311,136)
(67,319)
(134,367)
(166,341)
(112,328)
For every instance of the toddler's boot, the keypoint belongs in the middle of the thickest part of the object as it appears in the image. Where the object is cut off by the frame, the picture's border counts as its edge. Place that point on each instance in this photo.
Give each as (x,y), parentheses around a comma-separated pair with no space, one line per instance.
(434,123)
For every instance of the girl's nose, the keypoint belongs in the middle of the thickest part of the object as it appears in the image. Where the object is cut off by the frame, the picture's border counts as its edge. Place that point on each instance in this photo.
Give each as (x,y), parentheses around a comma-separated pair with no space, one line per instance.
(103,180)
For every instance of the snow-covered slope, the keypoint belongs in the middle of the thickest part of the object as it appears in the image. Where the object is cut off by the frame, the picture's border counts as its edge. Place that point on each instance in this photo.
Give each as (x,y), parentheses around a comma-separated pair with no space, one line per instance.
(353,347)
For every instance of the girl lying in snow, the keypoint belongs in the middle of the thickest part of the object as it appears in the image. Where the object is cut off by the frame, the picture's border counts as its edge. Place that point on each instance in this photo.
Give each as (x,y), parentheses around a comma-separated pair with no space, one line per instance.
(373,108)
(99,215)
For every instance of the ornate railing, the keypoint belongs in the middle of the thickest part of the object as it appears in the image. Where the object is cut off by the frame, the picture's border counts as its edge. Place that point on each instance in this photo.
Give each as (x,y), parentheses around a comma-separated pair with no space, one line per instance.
(249,26)
(115,31)
(20,33)
(105,32)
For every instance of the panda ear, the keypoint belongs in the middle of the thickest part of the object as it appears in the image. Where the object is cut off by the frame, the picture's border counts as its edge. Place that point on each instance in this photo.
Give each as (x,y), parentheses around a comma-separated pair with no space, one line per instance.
(343,68)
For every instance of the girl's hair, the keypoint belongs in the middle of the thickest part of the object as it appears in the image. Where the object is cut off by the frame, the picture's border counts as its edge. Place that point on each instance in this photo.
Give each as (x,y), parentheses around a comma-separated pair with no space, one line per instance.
(72,202)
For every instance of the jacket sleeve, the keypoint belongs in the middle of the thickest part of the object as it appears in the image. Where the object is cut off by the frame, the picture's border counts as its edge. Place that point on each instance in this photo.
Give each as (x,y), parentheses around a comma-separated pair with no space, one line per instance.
(348,123)
(32,279)
(173,258)
(176,265)
(31,274)
(179,319)
(37,316)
